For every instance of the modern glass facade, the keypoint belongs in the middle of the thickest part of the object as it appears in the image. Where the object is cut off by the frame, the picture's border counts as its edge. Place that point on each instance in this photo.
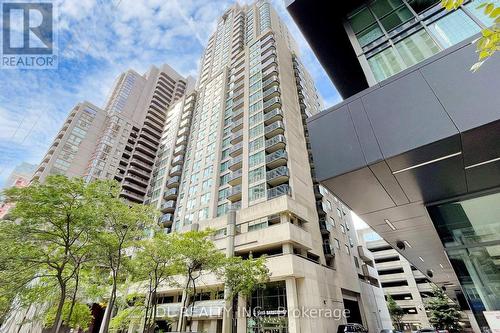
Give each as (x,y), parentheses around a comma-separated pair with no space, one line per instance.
(470,232)
(393,35)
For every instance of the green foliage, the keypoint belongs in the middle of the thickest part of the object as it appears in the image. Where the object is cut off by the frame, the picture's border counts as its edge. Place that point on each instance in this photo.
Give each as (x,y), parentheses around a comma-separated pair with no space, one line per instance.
(81,316)
(442,313)
(395,311)
(244,276)
(127,316)
(489,42)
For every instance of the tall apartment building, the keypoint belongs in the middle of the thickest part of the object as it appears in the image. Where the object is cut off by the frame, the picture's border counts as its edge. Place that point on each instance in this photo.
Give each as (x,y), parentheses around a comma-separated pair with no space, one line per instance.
(413,148)
(401,280)
(237,151)
(120,141)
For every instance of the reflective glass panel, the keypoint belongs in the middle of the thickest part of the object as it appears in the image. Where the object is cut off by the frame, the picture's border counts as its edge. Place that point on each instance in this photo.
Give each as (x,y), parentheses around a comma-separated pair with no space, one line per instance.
(385,64)
(417,47)
(454,28)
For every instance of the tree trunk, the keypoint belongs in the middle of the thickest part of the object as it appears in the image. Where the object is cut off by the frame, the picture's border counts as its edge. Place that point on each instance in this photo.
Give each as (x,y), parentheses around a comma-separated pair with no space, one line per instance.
(109,310)
(73,298)
(58,320)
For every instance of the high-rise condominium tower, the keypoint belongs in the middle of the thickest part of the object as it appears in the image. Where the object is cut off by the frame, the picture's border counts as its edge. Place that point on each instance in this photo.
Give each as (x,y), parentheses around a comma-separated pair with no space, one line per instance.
(121,140)
(237,152)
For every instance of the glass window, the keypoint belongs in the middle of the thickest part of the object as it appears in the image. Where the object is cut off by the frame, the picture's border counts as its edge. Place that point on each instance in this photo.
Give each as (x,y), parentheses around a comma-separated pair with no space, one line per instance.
(454,28)
(417,47)
(256,159)
(256,175)
(397,18)
(369,35)
(361,20)
(421,5)
(385,64)
(383,7)
(257,192)
(479,12)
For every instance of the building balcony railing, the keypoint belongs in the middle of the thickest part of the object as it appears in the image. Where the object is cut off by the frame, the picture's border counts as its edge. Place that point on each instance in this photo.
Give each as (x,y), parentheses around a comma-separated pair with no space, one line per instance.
(271,71)
(135,187)
(237,125)
(143,157)
(271,81)
(178,160)
(272,116)
(171,194)
(275,143)
(132,196)
(146,150)
(278,158)
(274,129)
(139,180)
(235,163)
(142,165)
(181,140)
(236,150)
(173,182)
(237,137)
(273,91)
(175,171)
(271,62)
(237,114)
(328,250)
(166,220)
(277,176)
(179,150)
(235,177)
(274,102)
(234,193)
(280,190)
(168,206)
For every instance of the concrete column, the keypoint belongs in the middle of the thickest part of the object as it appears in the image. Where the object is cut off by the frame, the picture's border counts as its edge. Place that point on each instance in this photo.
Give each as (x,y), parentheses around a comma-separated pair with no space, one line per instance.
(242,319)
(194,325)
(212,328)
(292,303)
(227,314)
(287,248)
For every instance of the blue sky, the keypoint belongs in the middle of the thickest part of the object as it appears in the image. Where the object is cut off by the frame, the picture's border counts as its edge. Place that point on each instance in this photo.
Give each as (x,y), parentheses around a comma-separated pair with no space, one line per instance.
(98,39)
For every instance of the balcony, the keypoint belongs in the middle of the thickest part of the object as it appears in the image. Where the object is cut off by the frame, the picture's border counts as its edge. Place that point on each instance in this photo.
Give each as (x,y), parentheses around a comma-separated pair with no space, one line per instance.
(274,129)
(179,150)
(235,177)
(235,163)
(139,180)
(181,140)
(143,157)
(271,71)
(272,81)
(236,150)
(237,114)
(277,176)
(323,226)
(146,150)
(142,165)
(365,254)
(237,137)
(138,171)
(279,191)
(237,125)
(175,171)
(131,196)
(328,250)
(178,160)
(273,103)
(272,116)
(275,143)
(276,159)
(148,143)
(173,182)
(234,193)
(271,62)
(369,271)
(167,220)
(171,194)
(135,187)
(168,206)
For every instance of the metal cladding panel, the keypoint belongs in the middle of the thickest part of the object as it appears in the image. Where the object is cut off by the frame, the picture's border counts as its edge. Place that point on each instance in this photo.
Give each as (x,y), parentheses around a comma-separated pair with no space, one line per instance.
(335,144)
(470,98)
(406,115)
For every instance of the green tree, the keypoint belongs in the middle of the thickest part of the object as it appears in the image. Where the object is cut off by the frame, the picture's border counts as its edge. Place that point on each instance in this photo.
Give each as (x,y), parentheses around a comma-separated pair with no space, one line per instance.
(194,254)
(47,239)
(76,316)
(243,276)
(443,313)
(395,311)
(154,266)
(124,224)
(489,42)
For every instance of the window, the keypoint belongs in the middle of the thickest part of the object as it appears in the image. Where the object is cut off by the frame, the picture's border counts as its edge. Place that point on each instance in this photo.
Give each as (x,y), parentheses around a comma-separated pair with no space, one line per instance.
(332,221)
(206,185)
(479,12)
(257,192)
(385,64)
(328,205)
(342,228)
(454,28)
(417,47)
(339,213)
(205,198)
(256,131)
(421,5)
(256,144)
(347,249)
(223,194)
(256,159)
(203,214)
(336,243)
(256,175)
